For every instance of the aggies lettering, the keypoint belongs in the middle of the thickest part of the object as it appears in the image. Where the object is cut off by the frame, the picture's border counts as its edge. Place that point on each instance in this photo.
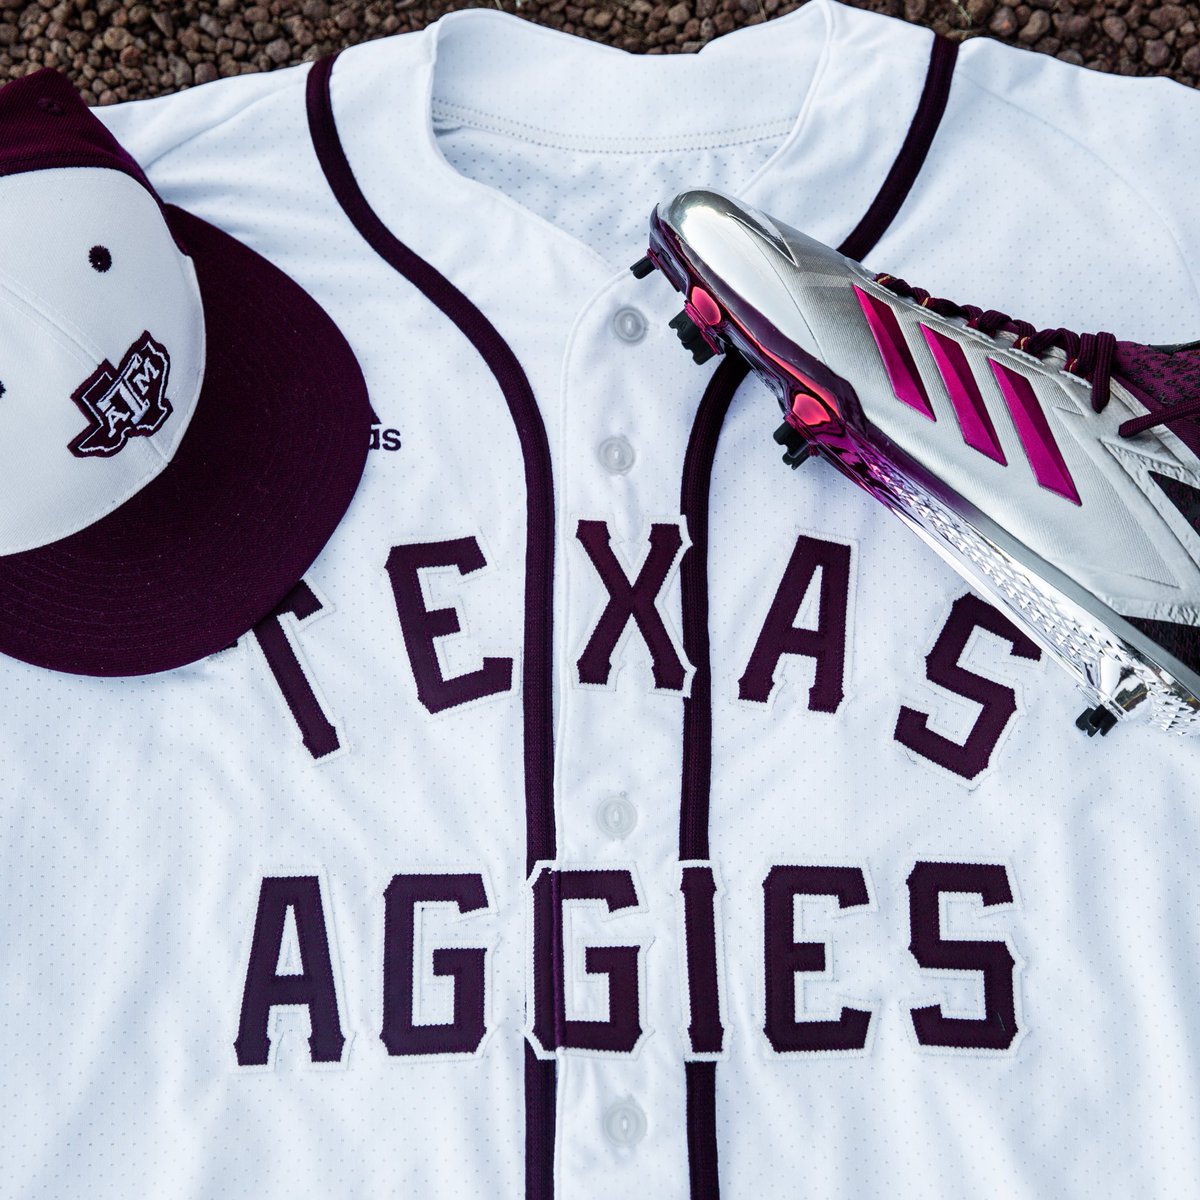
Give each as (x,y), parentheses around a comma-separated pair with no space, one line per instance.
(817,569)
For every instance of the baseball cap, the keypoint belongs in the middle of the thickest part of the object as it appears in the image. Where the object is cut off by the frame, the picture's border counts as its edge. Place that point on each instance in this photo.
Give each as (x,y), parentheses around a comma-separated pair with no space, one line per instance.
(182,426)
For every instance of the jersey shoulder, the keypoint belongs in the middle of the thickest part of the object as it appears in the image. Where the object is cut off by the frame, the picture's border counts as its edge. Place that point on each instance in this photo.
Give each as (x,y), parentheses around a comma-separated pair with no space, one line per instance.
(243,111)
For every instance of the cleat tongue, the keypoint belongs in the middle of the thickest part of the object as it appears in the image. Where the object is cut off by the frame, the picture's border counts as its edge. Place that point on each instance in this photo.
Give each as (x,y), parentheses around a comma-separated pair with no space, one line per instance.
(642,268)
(797,447)
(1096,720)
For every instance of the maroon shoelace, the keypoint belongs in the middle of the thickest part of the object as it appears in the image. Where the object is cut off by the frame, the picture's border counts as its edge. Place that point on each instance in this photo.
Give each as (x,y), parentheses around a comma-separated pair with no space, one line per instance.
(1090,356)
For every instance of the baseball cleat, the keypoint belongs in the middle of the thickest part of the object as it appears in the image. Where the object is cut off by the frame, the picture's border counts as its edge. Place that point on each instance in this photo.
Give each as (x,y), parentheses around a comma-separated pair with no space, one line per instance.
(1058,473)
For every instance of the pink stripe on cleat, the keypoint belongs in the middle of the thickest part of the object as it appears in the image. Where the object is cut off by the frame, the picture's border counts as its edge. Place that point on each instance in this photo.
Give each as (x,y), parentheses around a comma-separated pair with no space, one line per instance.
(897,358)
(1049,468)
(973,418)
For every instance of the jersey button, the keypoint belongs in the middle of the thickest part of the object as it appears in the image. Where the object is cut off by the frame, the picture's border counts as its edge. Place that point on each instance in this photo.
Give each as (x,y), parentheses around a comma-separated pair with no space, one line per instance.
(616,817)
(629,325)
(625,1124)
(616,455)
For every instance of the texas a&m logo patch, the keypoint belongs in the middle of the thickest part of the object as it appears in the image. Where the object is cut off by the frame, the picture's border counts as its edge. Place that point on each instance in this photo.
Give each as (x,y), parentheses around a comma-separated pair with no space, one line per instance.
(127,402)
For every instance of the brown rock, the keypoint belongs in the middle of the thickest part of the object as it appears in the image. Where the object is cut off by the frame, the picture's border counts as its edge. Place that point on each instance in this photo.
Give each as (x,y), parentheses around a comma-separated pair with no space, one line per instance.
(1071,56)
(1156,54)
(164,23)
(1075,28)
(116,38)
(678,14)
(1036,27)
(980,11)
(278,51)
(204,72)
(1004,22)
(1168,16)
(1114,27)
(915,10)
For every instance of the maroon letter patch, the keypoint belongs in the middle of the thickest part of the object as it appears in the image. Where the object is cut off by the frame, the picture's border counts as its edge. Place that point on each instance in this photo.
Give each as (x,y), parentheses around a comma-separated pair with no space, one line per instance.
(997,1029)
(786,958)
(313,988)
(998,703)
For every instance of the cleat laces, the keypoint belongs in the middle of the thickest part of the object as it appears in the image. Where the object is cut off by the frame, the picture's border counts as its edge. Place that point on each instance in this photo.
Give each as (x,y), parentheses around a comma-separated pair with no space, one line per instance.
(1090,356)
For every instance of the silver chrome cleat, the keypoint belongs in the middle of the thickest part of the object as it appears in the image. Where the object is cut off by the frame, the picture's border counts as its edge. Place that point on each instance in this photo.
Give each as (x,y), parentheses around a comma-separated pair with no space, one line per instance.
(1059,474)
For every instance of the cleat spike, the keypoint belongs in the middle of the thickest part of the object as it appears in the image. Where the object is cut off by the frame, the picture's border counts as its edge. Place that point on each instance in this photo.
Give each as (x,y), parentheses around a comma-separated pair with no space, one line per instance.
(798,449)
(642,268)
(692,337)
(1098,720)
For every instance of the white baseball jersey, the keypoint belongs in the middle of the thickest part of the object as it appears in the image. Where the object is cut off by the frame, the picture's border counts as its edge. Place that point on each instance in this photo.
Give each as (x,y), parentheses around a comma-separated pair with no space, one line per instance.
(613,811)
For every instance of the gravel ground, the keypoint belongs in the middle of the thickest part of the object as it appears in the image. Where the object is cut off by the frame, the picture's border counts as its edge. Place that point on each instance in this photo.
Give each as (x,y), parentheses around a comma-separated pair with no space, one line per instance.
(122,49)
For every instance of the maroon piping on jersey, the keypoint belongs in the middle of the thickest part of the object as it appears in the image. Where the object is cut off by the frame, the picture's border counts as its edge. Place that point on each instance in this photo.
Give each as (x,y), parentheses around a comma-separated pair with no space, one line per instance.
(900,179)
(540,1076)
(693,583)
(697,472)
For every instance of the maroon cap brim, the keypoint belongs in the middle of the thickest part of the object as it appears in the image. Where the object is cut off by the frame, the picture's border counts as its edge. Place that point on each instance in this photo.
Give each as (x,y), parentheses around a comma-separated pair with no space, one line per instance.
(267,468)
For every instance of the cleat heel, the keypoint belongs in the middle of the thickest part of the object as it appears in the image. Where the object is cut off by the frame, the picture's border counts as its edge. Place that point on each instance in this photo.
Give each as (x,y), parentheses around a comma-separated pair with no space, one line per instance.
(642,268)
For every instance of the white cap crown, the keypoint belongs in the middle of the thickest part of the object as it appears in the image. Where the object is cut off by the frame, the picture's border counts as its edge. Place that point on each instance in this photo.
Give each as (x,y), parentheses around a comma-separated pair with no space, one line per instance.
(101,349)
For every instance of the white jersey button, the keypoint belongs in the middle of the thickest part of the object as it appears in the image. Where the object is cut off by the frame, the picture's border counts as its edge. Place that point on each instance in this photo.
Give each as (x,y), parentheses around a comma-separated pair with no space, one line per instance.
(616,817)
(616,455)
(629,325)
(625,1123)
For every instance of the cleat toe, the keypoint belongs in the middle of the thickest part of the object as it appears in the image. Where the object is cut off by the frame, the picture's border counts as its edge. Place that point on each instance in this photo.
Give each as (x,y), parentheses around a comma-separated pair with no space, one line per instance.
(642,268)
